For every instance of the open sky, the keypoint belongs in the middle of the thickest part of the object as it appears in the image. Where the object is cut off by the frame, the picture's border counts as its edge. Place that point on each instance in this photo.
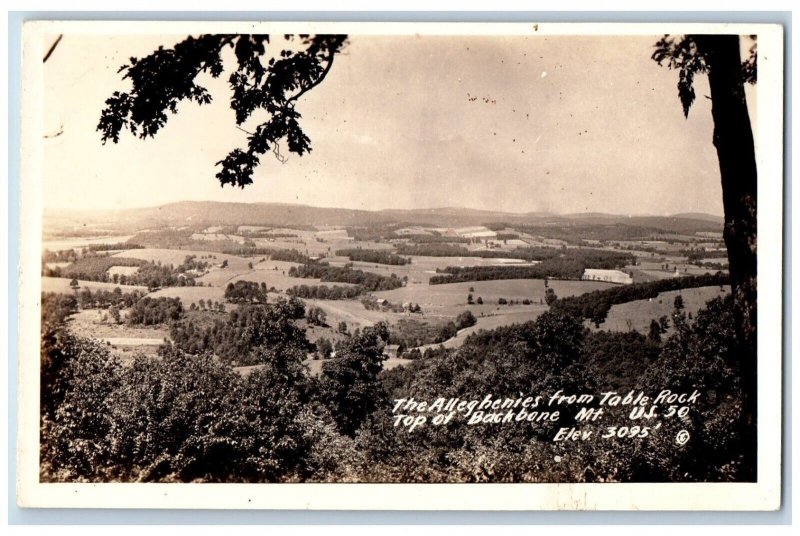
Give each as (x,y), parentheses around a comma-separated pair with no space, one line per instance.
(560,124)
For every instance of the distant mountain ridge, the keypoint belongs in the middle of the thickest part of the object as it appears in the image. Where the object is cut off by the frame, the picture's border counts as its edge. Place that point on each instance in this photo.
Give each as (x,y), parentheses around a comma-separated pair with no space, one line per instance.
(284,214)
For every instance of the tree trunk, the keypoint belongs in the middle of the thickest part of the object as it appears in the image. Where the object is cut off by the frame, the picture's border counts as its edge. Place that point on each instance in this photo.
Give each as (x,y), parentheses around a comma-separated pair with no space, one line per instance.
(733,138)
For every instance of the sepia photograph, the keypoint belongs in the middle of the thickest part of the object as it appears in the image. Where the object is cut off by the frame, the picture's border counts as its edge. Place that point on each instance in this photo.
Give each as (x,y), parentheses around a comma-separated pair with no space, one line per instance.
(330,265)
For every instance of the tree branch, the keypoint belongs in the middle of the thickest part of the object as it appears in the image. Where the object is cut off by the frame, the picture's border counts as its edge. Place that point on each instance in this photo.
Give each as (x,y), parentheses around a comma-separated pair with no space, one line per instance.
(311,86)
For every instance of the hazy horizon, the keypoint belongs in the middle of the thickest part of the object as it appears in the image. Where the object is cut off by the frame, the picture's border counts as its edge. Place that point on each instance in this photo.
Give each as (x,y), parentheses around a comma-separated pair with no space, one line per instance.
(552,124)
(464,208)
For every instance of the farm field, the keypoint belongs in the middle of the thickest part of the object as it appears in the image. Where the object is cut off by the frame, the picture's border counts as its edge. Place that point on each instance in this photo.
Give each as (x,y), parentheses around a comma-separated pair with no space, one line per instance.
(177,256)
(450,299)
(421,268)
(489,323)
(122,270)
(61,284)
(189,295)
(440,304)
(307,247)
(125,341)
(354,313)
(89,323)
(265,272)
(638,314)
(82,241)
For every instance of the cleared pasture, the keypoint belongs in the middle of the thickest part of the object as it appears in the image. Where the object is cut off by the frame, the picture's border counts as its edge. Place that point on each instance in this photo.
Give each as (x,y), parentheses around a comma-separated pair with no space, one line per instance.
(421,268)
(122,270)
(489,323)
(90,323)
(451,299)
(177,256)
(61,285)
(306,246)
(189,295)
(220,277)
(638,314)
(353,313)
(274,274)
(82,241)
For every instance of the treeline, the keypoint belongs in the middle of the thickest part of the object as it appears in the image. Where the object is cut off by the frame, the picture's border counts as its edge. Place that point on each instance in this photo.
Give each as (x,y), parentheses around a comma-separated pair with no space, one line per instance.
(695,255)
(372,234)
(371,303)
(56,307)
(93,268)
(594,258)
(154,311)
(411,333)
(246,292)
(563,269)
(150,274)
(435,239)
(568,265)
(73,254)
(103,299)
(64,255)
(324,292)
(267,234)
(247,335)
(191,263)
(288,255)
(164,238)
(189,417)
(595,305)
(334,274)
(378,256)
(112,247)
(577,233)
(507,236)
(552,353)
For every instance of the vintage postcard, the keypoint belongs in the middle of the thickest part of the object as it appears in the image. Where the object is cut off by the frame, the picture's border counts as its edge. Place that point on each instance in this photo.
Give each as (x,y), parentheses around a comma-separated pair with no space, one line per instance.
(401,266)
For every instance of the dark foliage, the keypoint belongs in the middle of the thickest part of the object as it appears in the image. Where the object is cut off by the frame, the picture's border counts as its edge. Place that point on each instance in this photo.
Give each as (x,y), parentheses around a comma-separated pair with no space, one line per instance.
(378,256)
(367,280)
(162,238)
(103,299)
(245,292)
(248,336)
(465,320)
(568,265)
(349,382)
(324,292)
(154,311)
(150,274)
(168,76)
(288,255)
(595,305)
(189,417)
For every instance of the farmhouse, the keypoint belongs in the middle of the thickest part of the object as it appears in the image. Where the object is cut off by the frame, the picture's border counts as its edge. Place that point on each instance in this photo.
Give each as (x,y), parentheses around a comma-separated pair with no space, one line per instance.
(609,276)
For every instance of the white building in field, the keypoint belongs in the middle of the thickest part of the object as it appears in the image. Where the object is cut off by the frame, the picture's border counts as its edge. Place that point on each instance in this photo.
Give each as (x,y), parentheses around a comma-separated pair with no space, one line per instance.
(609,276)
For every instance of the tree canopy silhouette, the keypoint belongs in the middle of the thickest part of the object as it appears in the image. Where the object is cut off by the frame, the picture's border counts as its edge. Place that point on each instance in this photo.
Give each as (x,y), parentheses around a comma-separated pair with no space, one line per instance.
(269,78)
(718,56)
